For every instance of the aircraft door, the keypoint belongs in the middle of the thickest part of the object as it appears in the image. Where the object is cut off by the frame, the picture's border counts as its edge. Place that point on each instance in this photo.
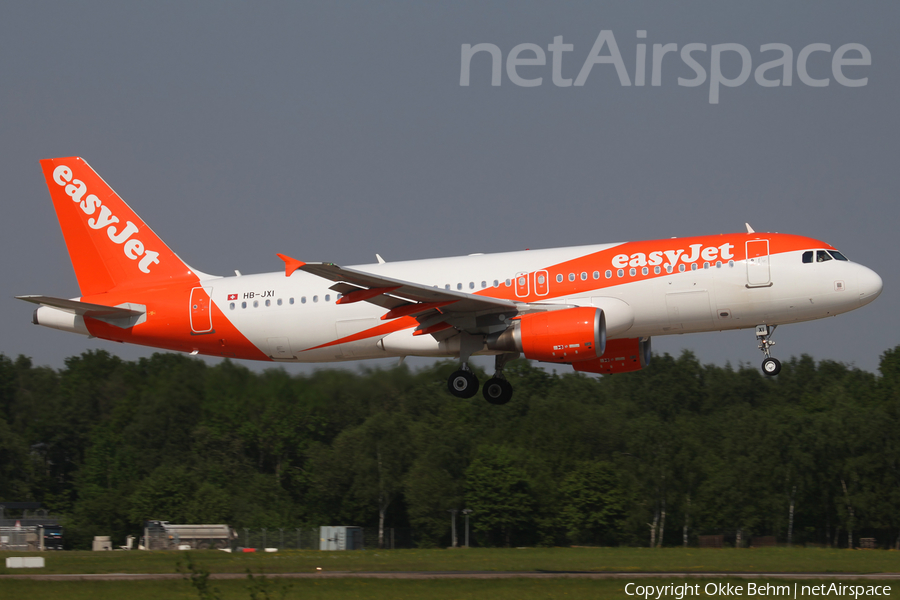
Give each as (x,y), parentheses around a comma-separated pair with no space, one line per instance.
(758,274)
(521,285)
(201,317)
(541,283)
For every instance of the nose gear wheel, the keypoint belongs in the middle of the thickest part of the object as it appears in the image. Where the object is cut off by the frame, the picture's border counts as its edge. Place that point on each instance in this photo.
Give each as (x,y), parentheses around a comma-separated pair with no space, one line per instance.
(770,366)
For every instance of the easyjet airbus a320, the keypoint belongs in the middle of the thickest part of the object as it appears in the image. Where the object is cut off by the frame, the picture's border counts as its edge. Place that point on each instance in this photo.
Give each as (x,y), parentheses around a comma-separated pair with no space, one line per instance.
(594,307)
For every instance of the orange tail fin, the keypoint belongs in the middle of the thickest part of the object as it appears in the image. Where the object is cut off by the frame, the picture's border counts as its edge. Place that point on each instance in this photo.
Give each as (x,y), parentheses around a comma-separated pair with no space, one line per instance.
(109,244)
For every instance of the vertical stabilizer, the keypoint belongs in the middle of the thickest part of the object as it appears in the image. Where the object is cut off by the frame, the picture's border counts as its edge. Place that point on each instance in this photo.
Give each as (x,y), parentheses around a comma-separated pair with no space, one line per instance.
(109,244)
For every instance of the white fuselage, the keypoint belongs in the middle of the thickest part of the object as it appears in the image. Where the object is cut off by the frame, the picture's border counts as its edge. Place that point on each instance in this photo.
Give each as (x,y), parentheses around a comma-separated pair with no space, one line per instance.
(298,314)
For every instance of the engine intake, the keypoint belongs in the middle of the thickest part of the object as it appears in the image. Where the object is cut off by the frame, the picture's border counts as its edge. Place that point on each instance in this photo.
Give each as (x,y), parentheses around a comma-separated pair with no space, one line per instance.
(559,336)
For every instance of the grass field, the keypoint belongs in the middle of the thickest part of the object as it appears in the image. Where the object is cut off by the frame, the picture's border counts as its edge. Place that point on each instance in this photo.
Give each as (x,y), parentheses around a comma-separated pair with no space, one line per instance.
(785,560)
(503,589)
(559,560)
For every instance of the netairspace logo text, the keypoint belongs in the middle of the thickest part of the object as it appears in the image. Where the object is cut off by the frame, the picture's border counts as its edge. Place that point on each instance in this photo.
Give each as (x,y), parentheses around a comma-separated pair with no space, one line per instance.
(681,591)
(526,64)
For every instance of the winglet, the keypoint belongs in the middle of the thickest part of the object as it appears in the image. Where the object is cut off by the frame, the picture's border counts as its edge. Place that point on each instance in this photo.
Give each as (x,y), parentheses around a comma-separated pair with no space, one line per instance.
(749,229)
(290,264)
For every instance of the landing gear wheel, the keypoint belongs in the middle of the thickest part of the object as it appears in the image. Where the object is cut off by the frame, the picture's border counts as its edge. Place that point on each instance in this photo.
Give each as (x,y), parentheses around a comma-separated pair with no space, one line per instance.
(463,384)
(771,366)
(497,391)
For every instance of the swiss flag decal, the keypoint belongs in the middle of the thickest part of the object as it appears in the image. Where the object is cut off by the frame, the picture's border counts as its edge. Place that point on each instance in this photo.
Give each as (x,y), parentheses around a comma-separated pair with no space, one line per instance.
(232,296)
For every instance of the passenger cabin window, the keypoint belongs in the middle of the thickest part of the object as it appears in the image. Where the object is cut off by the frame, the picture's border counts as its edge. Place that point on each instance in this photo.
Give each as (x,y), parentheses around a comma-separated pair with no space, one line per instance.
(822,256)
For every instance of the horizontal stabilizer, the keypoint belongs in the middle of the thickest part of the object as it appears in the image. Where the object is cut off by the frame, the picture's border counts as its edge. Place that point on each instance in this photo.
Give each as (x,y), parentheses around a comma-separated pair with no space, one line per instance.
(84,309)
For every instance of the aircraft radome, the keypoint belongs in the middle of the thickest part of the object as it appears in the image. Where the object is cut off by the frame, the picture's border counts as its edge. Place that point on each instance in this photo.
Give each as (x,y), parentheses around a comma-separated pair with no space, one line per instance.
(595,307)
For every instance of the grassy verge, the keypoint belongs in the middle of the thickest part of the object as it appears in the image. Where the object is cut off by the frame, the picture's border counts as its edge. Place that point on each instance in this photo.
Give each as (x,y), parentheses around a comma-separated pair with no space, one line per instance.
(786,560)
(501,589)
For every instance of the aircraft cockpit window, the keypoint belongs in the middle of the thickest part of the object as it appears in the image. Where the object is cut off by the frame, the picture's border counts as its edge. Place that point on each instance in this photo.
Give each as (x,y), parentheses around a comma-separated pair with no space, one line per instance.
(822,256)
(807,256)
(837,255)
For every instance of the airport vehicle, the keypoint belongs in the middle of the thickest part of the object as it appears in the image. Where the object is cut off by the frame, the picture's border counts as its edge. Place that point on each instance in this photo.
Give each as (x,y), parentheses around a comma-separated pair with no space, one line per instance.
(594,307)
(162,535)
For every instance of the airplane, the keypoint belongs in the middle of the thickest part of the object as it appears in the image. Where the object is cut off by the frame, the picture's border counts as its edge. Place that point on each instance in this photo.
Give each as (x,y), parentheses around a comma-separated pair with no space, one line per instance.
(595,307)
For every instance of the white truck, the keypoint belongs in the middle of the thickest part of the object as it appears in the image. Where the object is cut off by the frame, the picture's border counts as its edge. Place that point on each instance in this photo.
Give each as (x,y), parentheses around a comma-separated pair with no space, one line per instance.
(162,535)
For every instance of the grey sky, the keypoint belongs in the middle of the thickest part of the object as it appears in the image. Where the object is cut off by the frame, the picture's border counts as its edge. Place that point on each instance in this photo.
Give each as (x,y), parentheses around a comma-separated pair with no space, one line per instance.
(332,131)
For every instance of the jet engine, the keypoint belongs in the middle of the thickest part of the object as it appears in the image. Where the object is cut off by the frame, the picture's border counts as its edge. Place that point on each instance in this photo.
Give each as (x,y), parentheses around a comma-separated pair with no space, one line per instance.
(560,336)
(621,356)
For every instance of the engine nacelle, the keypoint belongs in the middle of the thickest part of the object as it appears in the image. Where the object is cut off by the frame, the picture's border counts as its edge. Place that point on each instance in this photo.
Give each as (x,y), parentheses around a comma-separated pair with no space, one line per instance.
(560,336)
(621,356)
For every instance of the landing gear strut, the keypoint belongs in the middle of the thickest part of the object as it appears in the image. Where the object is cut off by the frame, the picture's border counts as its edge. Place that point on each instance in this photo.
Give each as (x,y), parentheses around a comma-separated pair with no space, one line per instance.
(770,366)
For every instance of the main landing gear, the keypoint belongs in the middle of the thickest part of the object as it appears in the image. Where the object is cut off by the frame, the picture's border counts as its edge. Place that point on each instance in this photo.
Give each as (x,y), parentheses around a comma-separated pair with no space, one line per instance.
(463,383)
(497,390)
(770,366)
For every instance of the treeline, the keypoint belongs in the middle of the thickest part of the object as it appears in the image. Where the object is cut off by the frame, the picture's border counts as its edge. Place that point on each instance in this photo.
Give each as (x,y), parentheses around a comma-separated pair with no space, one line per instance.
(655,457)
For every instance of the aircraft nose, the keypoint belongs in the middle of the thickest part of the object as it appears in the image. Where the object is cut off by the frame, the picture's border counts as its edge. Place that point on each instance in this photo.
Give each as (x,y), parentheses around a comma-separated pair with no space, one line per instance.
(869,285)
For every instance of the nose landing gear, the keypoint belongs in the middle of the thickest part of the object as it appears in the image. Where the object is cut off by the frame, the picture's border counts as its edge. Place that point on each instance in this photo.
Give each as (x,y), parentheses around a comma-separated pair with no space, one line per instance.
(770,366)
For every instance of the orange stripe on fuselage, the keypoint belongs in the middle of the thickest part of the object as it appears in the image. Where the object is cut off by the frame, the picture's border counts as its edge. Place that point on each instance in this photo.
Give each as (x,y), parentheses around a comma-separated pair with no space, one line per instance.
(638,252)
(383,329)
(168,324)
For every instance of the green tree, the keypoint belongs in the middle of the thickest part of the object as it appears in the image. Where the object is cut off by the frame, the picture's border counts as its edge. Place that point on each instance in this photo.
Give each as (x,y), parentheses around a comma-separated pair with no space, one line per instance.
(499,494)
(593,503)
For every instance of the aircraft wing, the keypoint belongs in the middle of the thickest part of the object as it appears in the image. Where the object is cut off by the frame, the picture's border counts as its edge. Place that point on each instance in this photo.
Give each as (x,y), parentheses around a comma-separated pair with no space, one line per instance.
(85,309)
(434,308)
(405,290)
